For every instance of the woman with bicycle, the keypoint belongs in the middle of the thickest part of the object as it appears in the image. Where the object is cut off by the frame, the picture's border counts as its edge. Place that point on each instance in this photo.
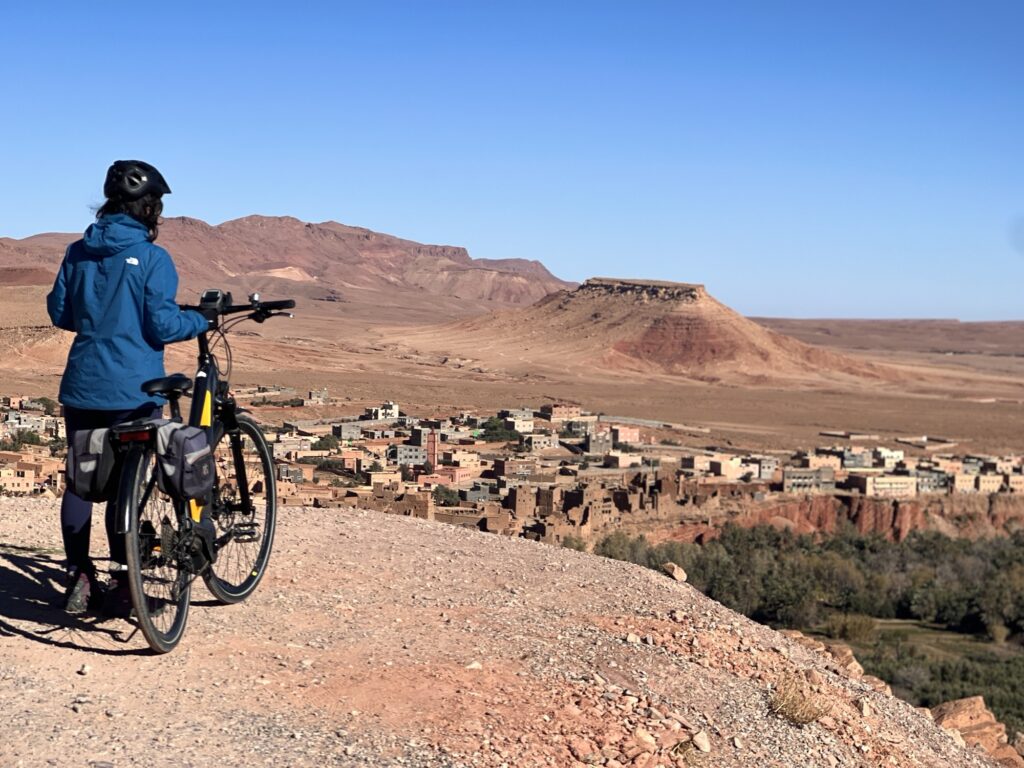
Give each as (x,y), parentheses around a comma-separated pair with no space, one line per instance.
(116,291)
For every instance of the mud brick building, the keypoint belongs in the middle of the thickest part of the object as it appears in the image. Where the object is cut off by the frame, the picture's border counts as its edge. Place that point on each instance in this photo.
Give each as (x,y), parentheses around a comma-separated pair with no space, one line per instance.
(806,480)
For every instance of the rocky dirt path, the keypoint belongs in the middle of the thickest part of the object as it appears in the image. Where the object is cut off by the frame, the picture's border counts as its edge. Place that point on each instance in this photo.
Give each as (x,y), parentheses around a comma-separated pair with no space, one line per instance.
(379,641)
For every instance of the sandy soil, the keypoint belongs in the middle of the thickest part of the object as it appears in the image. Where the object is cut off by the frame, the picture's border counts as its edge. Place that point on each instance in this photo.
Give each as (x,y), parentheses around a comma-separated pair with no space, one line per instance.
(939,336)
(378,640)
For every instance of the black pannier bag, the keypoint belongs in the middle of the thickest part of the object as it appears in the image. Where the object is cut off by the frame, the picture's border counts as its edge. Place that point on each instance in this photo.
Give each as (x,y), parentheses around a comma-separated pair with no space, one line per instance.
(90,465)
(184,461)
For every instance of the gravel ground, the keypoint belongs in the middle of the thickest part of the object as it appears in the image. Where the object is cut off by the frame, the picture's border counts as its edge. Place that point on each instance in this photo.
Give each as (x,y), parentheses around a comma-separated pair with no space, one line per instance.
(376,640)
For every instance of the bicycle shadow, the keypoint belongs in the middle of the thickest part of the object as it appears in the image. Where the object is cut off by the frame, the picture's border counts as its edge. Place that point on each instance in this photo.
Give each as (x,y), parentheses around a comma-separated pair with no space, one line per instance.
(30,607)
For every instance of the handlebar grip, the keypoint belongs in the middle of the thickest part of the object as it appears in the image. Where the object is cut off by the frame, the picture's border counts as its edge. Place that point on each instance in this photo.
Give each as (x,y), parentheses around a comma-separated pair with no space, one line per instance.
(275,305)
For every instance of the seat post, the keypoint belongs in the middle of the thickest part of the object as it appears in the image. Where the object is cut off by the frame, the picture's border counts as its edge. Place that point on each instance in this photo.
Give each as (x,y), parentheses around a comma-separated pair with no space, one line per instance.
(172,400)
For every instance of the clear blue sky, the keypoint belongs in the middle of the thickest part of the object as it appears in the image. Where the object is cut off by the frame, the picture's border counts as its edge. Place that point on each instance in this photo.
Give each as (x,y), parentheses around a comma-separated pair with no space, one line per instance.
(800,158)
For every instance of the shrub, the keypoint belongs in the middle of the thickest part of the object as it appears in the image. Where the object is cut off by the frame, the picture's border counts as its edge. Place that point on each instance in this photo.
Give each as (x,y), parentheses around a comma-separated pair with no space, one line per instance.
(294,402)
(574,542)
(494,431)
(49,405)
(326,443)
(998,631)
(445,496)
(850,626)
(20,438)
(792,700)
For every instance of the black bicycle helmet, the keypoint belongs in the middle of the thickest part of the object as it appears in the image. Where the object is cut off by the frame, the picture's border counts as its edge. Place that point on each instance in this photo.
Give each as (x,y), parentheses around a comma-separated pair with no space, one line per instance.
(133,179)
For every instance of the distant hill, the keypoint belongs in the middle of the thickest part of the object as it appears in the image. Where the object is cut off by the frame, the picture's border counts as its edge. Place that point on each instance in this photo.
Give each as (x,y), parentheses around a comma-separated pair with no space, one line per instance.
(996,338)
(649,326)
(327,261)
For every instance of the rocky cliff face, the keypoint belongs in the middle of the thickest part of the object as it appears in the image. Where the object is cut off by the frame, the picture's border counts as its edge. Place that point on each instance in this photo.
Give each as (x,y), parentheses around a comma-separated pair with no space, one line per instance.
(978,728)
(641,291)
(967,515)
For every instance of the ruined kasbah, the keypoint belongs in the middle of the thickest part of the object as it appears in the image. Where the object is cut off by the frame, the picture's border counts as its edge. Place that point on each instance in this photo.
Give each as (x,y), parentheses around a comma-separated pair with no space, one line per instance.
(562,475)
(565,476)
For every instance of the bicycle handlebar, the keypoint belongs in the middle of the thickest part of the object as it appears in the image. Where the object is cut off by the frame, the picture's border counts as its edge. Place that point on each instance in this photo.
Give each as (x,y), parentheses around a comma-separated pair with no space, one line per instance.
(218,303)
(271,306)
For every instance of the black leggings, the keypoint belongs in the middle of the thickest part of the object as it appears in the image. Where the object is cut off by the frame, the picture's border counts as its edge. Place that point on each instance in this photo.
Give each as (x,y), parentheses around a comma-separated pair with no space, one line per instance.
(76,512)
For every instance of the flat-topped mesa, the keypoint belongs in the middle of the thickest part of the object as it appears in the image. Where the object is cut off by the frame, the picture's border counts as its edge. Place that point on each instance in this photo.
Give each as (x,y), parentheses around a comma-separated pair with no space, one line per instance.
(643,290)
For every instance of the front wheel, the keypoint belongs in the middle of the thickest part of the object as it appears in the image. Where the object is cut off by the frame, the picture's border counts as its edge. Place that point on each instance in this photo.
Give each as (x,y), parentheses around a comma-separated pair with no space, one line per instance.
(244,511)
(158,546)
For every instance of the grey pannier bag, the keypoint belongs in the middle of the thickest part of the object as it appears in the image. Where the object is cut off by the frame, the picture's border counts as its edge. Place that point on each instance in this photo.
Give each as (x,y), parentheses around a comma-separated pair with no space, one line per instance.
(90,465)
(184,461)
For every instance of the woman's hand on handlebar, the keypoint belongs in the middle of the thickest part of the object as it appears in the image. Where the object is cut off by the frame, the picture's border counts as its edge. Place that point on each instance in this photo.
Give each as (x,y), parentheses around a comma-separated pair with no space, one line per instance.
(212,316)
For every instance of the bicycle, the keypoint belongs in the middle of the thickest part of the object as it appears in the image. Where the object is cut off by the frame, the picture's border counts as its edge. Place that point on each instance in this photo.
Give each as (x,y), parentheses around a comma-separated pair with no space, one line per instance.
(227,538)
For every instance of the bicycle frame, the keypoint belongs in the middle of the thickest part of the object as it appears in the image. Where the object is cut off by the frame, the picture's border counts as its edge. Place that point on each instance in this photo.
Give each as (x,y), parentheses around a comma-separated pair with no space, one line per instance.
(212,407)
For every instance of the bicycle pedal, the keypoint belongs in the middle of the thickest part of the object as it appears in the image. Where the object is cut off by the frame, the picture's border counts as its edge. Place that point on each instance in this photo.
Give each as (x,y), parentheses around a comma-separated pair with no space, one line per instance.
(245,532)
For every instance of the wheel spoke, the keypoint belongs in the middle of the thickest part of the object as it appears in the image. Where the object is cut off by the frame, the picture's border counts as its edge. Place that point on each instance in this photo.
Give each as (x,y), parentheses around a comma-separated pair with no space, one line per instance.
(244,511)
(159,548)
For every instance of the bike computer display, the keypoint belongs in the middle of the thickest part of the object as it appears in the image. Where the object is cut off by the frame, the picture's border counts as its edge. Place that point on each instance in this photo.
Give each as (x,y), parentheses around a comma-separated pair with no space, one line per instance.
(214,298)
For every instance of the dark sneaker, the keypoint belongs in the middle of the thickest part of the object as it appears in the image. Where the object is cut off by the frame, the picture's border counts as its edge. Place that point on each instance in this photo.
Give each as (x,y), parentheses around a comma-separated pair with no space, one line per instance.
(117,602)
(80,595)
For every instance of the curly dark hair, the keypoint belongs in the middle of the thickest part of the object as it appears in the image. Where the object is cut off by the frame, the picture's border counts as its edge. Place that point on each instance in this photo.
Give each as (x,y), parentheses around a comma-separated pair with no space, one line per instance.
(146,210)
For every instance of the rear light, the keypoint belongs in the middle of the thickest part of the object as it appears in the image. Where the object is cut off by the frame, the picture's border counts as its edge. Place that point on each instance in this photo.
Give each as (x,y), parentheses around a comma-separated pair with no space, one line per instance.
(133,437)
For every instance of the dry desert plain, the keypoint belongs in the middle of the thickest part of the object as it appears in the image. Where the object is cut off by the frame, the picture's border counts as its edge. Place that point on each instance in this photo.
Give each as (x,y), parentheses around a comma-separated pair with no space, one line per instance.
(381,317)
(969,387)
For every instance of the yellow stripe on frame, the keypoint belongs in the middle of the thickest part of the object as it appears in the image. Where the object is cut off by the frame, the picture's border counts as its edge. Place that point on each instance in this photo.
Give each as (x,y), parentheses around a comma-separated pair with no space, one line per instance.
(207,418)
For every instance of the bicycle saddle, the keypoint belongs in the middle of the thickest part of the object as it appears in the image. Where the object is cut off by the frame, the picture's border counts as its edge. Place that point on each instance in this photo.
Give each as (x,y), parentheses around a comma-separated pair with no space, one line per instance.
(175,385)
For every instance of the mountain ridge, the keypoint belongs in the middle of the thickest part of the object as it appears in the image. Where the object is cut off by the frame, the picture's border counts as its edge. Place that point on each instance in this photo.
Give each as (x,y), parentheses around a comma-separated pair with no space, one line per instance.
(320,260)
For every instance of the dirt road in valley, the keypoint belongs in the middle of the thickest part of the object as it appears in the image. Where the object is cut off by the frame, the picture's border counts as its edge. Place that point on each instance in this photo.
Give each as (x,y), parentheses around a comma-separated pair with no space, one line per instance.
(378,640)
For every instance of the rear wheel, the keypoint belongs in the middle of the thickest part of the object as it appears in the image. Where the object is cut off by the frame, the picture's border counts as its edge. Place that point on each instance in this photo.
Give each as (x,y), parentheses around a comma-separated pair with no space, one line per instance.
(244,511)
(158,553)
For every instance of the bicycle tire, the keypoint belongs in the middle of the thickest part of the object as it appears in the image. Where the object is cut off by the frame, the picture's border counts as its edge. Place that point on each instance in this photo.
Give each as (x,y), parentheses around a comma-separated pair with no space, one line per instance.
(159,580)
(245,539)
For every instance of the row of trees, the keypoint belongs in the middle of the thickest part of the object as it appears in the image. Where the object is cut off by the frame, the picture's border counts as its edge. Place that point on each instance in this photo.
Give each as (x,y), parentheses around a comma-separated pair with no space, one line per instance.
(494,431)
(23,437)
(779,578)
(927,680)
(20,439)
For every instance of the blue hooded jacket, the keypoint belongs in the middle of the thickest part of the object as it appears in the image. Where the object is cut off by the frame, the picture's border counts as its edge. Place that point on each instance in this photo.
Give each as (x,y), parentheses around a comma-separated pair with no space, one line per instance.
(116,290)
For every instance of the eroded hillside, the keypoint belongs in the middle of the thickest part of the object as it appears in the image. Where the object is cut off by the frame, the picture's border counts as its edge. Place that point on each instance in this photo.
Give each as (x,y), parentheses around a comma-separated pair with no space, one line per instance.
(651,327)
(327,261)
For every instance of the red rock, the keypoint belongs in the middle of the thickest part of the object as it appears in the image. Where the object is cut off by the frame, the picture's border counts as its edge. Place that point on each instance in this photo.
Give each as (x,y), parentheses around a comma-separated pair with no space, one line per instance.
(582,749)
(675,571)
(877,684)
(1008,756)
(845,659)
(977,726)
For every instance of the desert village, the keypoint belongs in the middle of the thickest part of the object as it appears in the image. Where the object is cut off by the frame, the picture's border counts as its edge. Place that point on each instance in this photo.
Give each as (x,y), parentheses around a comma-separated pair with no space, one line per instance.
(557,474)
